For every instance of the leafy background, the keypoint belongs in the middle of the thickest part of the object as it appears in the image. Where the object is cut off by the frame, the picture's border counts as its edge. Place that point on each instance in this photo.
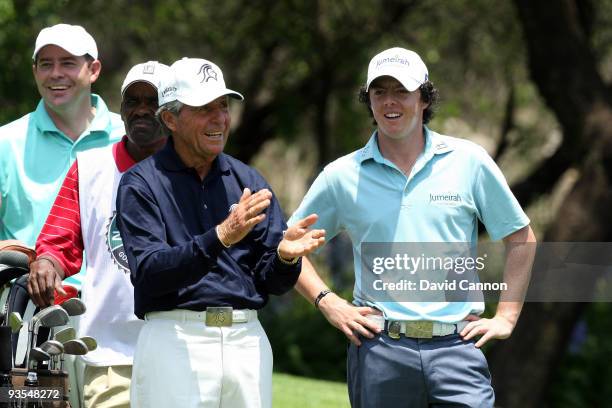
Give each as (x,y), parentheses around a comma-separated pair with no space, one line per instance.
(530,81)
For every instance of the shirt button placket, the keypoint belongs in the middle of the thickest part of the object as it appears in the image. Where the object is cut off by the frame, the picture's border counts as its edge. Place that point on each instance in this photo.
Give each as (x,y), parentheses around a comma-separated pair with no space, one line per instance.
(406,199)
(205,213)
(203,199)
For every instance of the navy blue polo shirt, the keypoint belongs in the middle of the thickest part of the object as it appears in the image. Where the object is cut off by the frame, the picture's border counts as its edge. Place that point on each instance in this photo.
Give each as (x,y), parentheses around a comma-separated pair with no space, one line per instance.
(167,218)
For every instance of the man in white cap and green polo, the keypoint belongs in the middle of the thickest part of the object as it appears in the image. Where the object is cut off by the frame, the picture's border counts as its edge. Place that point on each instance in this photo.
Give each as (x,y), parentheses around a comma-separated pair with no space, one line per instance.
(37,150)
(204,240)
(82,224)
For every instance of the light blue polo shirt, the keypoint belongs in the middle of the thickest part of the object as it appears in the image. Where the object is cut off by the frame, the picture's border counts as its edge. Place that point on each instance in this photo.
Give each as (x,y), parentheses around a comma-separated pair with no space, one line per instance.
(454,183)
(34,159)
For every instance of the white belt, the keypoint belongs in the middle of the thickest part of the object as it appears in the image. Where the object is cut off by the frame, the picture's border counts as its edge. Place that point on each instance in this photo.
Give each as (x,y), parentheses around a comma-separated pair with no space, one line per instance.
(420,329)
(213,316)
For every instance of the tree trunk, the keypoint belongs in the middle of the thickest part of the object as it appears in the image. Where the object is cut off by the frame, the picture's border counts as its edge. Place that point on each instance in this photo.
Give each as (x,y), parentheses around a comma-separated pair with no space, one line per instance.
(562,65)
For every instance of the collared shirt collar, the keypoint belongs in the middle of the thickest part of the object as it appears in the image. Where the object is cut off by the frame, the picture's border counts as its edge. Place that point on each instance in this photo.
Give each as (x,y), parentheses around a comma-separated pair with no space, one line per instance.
(171,161)
(122,157)
(437,144)
(101,122)
(433,145)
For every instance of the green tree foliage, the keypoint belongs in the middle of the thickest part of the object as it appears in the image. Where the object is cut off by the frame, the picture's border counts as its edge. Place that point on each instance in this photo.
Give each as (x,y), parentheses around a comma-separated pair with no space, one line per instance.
(584,380)
(300,63)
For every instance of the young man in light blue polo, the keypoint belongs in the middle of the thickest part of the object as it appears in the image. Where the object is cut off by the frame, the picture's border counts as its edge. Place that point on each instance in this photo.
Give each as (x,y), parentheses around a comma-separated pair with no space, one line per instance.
(37,150)
(411,184)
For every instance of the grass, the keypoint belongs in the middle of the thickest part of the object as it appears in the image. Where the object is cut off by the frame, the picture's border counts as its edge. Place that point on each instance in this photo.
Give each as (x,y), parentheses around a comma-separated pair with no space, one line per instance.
(299,392)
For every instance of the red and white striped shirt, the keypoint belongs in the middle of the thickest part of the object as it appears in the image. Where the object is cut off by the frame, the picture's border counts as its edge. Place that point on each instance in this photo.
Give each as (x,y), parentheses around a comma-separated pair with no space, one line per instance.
(61,237)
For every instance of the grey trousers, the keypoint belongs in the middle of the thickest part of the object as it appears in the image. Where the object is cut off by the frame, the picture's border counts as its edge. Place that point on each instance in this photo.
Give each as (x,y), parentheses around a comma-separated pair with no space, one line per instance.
(442,371)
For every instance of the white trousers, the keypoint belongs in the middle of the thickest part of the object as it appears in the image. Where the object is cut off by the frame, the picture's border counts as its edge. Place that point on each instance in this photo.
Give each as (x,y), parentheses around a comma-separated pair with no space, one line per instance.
(184,363)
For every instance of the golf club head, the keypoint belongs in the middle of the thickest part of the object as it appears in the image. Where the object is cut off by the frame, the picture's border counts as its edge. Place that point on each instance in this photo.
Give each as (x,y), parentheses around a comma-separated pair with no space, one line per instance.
(15,322)
(75,347)
(52,347)
(51,316)
(65,334)
(74,306)
(37,354)
(90,342)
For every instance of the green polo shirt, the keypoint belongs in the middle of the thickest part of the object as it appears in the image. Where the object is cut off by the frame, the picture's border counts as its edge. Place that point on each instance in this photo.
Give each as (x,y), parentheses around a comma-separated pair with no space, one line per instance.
(34,159)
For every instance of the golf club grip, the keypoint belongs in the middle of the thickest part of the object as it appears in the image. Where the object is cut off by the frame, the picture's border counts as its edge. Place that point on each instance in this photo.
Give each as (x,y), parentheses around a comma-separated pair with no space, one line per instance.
(6,350)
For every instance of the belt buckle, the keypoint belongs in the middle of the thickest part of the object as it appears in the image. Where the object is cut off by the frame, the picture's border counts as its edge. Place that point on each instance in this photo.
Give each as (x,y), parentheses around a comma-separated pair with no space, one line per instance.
(421,329)
(219,316)
(394,329)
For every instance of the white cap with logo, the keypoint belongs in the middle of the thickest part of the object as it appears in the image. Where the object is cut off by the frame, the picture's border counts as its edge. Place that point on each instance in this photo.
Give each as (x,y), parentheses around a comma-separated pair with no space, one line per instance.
(72,38)
(153,72)
(404,65)
(196,82)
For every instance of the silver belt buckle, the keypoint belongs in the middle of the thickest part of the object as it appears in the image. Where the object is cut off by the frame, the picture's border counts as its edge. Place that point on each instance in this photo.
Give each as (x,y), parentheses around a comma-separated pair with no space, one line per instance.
(219,316)
(420,329)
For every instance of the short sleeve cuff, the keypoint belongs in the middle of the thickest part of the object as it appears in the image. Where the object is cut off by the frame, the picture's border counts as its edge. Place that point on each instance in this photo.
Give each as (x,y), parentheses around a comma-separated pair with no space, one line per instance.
(500,234)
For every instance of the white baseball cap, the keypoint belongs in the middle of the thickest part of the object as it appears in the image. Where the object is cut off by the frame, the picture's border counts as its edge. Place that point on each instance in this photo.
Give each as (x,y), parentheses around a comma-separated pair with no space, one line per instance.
(72,38)
(152,72)
(404,65)
(196,82)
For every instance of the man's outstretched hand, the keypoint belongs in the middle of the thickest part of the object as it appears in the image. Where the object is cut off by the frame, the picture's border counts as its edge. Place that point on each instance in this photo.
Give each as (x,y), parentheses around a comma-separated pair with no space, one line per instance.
(300,240)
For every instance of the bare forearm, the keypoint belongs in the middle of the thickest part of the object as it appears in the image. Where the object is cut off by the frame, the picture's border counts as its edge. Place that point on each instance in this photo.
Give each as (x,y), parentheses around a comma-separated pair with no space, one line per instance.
(520,248)
(349,319)
(309,283)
